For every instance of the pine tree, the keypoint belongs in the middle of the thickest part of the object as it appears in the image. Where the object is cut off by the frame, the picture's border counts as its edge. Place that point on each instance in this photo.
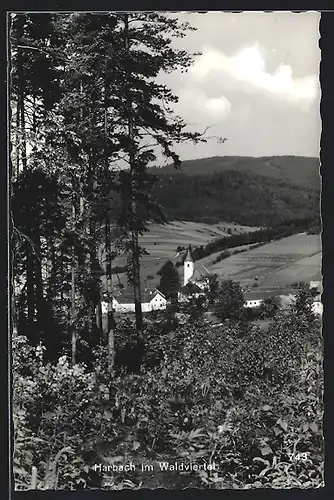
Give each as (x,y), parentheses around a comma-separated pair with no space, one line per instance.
(145,124)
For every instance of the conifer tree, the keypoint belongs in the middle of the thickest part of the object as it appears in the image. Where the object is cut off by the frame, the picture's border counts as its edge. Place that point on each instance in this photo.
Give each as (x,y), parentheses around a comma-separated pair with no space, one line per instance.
(146,127)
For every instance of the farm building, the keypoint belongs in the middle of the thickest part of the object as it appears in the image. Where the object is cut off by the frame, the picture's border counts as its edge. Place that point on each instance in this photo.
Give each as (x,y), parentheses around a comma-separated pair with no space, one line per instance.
(254,299)
(152,300)
(317,307)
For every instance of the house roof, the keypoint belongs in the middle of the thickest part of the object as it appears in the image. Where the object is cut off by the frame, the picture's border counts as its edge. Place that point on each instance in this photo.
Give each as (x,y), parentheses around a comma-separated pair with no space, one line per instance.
(263,294)
(190,288)
(126,296)
(200,272)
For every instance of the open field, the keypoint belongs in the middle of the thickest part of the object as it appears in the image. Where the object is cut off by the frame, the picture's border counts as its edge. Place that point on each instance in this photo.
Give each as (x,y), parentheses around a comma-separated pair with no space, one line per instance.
(276,264)
(162,241)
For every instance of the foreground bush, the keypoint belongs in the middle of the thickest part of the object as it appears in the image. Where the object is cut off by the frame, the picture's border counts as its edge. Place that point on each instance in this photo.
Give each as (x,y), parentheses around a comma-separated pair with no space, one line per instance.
(247,400)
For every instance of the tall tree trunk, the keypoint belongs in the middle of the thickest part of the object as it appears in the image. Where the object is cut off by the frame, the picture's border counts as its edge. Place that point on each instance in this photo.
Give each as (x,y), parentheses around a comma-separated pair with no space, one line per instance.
(62,277)
(30,288)
(12,291)
(92,252)
(134,231)
(20,97)
(23,130)
(39,296)
(110,323)
(73,311)
(52,276)
(17,139)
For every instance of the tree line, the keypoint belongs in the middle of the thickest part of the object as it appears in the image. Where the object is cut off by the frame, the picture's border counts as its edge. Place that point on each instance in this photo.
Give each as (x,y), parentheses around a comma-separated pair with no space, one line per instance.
(88,117)
(259,237)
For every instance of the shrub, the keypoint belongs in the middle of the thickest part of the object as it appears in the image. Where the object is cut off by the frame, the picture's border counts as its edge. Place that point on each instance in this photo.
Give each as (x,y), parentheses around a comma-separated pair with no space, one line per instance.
(249,401)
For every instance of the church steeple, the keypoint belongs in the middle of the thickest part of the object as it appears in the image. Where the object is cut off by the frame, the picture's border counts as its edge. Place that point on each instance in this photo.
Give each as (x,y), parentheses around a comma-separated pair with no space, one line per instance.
(188,256)
(188,267)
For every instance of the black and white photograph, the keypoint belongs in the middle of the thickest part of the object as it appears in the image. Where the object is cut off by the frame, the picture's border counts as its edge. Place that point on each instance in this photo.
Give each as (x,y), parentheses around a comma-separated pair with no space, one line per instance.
(165,250)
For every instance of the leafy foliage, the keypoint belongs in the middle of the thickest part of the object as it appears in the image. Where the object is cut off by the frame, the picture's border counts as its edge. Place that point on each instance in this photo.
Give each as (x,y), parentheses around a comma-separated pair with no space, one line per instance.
(169,279)
(229,301)
(251,404)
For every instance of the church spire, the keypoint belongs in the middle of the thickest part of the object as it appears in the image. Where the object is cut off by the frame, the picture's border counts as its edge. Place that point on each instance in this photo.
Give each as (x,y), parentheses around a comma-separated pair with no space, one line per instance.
(188,267)
(188,256)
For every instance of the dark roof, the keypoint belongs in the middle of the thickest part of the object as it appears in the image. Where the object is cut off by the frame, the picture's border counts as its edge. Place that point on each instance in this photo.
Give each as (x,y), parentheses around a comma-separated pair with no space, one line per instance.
(190,288)
(263,294)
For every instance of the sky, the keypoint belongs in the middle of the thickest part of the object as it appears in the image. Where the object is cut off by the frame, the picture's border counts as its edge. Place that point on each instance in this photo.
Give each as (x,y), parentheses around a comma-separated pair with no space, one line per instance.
(256,83)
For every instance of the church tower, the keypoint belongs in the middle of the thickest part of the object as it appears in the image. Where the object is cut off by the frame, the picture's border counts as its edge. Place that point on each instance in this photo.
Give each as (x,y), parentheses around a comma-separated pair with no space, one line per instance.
(188,268)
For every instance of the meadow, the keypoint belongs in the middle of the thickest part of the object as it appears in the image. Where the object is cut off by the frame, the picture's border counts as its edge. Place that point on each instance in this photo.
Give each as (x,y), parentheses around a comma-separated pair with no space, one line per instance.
(161,243)
(277,264)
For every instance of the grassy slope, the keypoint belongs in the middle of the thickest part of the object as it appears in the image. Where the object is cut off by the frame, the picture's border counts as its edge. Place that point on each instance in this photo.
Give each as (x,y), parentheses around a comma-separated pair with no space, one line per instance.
(296,170)
(276,264)
(162,240)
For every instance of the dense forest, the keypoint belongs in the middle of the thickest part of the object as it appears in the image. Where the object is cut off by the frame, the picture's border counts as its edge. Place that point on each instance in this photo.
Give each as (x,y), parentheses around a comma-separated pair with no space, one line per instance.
(297,170)
(236,196)
(88,118)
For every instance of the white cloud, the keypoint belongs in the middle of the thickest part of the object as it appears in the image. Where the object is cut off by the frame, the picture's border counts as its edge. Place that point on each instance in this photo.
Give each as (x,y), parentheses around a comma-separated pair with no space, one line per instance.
(194,102)
(248,65)
(218,106)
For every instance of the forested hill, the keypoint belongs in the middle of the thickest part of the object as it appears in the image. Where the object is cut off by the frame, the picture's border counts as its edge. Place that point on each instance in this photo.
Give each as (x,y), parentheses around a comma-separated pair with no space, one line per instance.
(297,170)
(239,194)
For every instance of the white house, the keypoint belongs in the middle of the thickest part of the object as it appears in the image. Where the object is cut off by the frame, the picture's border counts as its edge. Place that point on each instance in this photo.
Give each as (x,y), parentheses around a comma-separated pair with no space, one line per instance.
(254,299)
(317,307)
(152,300)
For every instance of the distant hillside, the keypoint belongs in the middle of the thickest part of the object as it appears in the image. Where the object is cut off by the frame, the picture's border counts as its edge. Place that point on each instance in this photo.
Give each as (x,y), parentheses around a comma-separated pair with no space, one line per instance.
(298,170)
(251,191)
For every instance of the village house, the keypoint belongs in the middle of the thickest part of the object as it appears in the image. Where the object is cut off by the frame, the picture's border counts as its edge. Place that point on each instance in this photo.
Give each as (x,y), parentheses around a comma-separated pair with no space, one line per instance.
(317,306)
(152,300)
(254,298)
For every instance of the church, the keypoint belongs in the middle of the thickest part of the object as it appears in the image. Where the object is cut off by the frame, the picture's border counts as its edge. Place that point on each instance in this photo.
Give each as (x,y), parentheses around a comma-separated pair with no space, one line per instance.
(195,279)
